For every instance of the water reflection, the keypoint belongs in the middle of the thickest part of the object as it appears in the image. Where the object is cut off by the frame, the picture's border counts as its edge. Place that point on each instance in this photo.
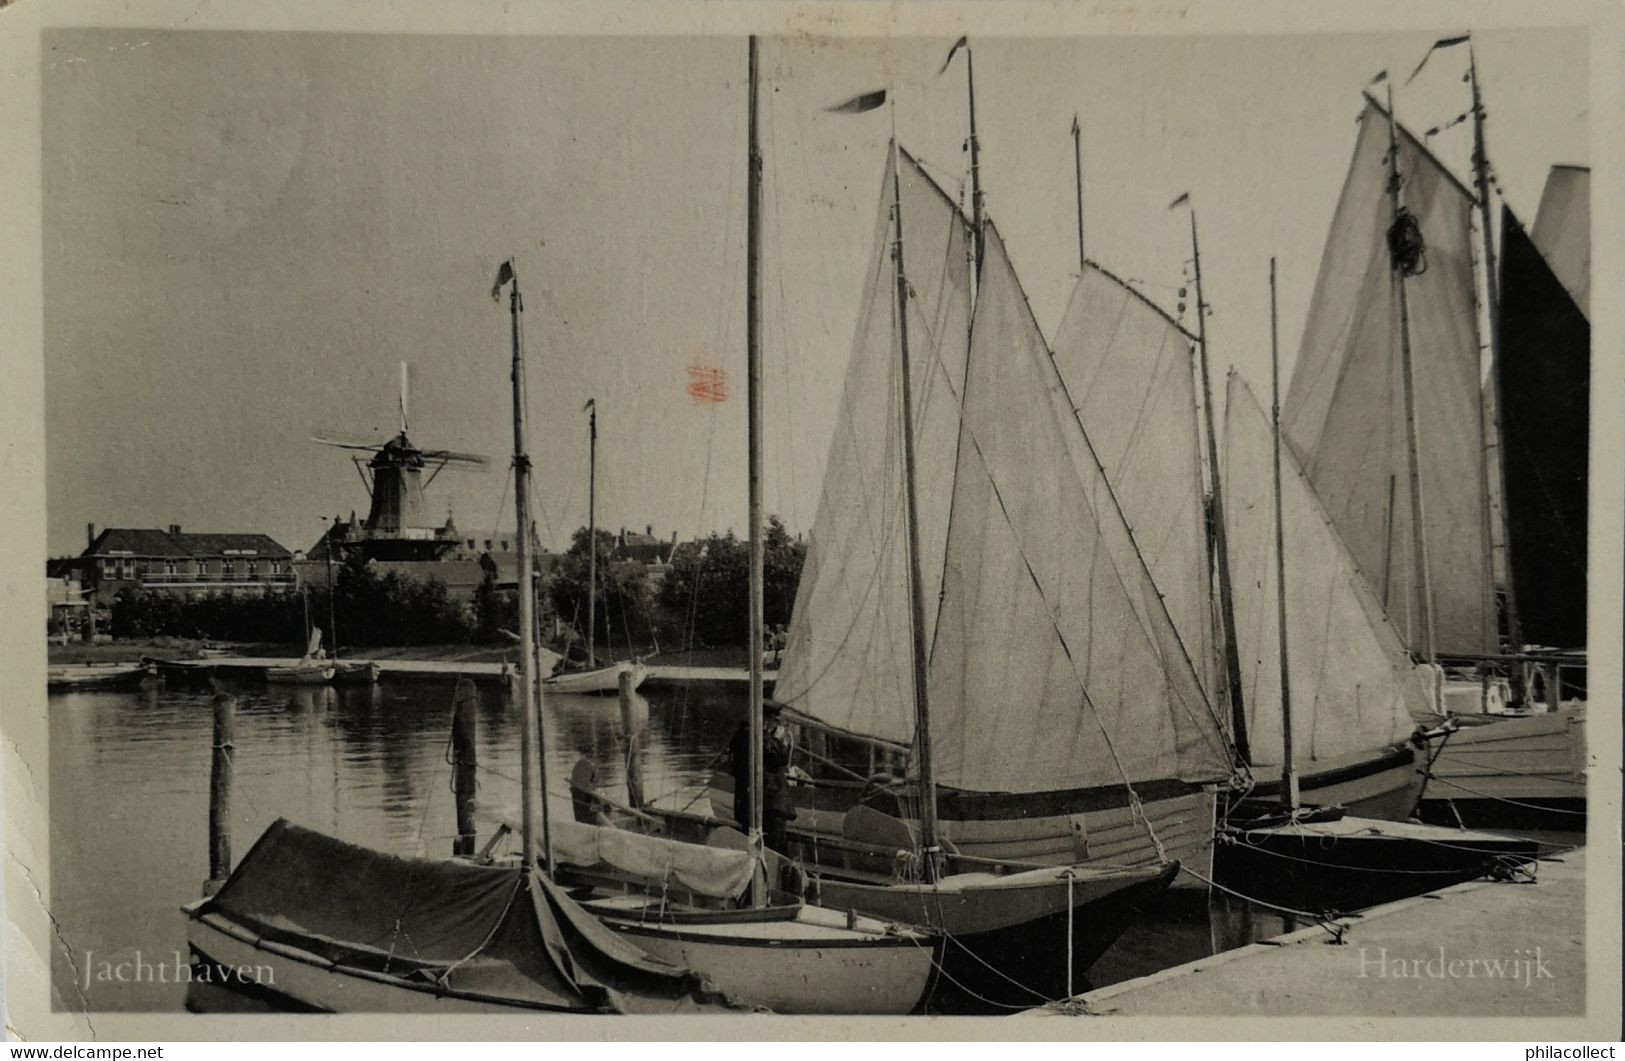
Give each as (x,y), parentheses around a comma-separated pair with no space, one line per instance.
(129,804)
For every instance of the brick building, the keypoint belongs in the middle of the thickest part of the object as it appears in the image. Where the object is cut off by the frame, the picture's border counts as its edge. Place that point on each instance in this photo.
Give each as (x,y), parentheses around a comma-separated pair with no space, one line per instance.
(183,563)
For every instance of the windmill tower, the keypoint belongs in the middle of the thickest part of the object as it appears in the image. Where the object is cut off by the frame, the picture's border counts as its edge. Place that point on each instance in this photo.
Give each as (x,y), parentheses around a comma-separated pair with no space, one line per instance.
(396,474)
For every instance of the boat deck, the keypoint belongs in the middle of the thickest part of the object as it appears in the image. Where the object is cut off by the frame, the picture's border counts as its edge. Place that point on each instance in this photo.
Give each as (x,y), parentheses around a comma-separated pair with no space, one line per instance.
(1477,949)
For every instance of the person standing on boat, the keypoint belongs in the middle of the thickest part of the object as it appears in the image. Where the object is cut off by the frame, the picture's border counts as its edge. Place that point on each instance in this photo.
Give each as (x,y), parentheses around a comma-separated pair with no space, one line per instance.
(775,783)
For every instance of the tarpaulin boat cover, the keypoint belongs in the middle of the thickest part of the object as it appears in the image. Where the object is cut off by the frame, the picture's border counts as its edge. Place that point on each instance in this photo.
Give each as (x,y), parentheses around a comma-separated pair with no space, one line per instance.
(717,872)
(499,932)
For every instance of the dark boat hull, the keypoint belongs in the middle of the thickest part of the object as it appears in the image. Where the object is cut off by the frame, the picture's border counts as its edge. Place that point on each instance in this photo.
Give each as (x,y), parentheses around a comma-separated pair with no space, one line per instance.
(1383,785)
(1014,941)
(1523,772)
(1355,863)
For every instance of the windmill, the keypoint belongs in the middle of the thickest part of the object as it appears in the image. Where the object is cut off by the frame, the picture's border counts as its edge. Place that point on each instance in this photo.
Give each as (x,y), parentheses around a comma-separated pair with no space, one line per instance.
(395,474)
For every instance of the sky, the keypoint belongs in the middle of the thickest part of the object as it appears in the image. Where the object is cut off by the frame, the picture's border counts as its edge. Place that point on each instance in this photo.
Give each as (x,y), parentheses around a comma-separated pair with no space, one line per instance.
(246,233)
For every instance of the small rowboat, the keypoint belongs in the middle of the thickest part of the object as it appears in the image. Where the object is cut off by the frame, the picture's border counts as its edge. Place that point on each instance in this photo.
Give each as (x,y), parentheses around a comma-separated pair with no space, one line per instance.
(792,959)
(677,901)
(601,681)
(305,672)
(100,676)
(354,672)
(334,927)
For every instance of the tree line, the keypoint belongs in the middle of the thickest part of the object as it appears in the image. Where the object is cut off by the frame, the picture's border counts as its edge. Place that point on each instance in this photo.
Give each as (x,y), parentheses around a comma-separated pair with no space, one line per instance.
(701,601)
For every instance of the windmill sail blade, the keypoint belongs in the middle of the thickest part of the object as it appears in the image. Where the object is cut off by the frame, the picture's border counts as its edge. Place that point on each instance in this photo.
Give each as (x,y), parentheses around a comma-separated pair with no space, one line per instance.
(453,457)
(344,443)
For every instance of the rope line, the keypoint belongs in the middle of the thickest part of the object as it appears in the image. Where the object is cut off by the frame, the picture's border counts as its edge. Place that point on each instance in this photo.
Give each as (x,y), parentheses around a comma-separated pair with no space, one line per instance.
(1509,800)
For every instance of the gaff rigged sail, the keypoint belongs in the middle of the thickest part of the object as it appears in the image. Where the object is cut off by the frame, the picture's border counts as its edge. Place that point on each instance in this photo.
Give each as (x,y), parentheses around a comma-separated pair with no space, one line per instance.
(1344,413)
(848,662)
(1055,665)
(1354,686)
(1545,385)
(1129,370)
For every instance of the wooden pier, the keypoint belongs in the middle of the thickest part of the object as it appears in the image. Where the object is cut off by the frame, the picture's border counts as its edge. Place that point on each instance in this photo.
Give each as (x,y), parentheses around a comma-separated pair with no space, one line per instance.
(1484,948)
(406,670)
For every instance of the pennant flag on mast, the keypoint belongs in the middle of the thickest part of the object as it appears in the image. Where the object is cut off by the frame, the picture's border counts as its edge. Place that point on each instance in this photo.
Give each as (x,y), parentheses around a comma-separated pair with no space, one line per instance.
(867,101)
(590,404)
(504,275)
(1438,46)
(963,42)
(1379,79)
(1181,201)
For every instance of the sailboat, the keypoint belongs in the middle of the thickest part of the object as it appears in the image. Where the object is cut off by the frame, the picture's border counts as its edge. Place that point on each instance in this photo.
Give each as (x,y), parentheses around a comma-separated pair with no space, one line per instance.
(1346,684)
(338,927)
(1027,834)
(1136,387)
(847,685)
(348,671)
(593,679)
(313,668)
(1529,771)
(1397,448)
(1018,931)
(778,952)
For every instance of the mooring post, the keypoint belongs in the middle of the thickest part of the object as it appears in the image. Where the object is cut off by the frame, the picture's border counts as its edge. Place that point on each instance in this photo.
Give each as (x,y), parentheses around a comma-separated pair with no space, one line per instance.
(225,714)
(1554,687)
(634,776)
(464,761)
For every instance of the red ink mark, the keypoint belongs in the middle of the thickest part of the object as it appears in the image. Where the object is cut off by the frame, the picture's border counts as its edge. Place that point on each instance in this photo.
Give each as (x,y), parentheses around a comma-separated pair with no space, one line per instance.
(707,384)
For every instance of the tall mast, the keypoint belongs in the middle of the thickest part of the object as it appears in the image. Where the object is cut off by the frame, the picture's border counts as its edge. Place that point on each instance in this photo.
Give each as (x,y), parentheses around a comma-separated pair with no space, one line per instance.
(592,534)
(1221,548)
(1419,554)
(1492,299)
(1289,769)
(753,376)
(332,617)
(1077,165)
(528,760)
(916,606)
(975,170)
(978,242)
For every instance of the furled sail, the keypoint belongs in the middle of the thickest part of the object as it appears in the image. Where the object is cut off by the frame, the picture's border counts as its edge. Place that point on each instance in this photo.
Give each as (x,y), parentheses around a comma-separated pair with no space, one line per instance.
(1354,685)
(1345,412)
(1544,371)
(1563,230)
(1129,369)
(1055,665)
(848,661)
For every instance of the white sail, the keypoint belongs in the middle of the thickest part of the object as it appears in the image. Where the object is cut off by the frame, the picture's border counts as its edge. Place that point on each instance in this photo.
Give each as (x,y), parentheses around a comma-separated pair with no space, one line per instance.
(1563,230)
(1129,369)
(848,661)
(1354,686)
(1055,665)
(1345,413)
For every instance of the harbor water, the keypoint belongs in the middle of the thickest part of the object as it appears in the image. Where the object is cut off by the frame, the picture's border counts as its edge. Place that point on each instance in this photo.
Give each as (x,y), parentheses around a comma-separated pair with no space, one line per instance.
(129,784)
